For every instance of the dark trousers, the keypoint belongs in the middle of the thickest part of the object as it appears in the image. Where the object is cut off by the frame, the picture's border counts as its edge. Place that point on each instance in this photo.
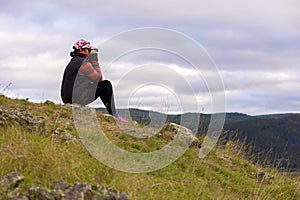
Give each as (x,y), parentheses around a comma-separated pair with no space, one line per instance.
(105,92)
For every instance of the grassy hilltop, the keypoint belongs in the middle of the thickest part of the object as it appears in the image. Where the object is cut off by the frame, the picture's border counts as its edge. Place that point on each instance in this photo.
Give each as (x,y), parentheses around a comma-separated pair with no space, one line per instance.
(43,158)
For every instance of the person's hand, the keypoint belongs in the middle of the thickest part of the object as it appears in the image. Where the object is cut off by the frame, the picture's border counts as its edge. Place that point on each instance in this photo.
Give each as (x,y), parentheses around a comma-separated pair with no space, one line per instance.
(94,51)
(93,56)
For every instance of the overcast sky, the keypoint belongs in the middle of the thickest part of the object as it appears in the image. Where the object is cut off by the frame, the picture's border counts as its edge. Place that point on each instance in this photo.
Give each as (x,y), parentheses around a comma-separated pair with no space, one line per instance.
(255,46)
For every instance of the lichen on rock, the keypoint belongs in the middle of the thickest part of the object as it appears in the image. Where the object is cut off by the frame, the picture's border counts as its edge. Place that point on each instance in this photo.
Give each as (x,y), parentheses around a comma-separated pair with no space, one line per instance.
(12,187)
(23,118)
(171,130)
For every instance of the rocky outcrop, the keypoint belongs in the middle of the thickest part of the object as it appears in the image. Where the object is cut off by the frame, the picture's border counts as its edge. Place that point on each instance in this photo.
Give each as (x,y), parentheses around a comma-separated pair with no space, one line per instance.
(29,122)
(63,136)
(262,177)
(10,181)
(23,118)
(170,130)
(12,187)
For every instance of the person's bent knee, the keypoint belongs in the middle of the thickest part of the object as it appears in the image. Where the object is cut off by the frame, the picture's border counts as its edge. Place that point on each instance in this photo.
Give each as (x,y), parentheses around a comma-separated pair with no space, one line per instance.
(105,84)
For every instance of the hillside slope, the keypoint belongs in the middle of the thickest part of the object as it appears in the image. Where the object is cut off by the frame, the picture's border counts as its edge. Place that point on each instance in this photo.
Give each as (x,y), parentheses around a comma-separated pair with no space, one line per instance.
(48,150)
(272,140)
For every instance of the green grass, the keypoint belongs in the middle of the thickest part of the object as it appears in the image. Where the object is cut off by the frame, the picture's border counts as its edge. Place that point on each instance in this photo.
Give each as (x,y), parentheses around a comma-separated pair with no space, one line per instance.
(223,174)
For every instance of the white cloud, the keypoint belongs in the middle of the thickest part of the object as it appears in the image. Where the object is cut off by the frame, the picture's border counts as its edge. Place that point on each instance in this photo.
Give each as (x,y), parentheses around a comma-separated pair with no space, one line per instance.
(255,44)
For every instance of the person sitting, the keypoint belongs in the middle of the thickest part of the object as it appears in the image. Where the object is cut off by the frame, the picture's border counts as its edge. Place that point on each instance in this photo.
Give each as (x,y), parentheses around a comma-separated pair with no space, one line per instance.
(83,81)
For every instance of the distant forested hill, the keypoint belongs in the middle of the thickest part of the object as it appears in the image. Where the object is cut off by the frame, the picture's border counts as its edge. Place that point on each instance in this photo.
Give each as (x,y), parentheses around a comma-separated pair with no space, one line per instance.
(273,140)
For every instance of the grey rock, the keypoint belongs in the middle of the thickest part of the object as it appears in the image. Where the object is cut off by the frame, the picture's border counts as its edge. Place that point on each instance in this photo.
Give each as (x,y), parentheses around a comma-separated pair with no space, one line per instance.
(105,193)
(63,136)
(10,181)
(262,177)
(11,188)
(79,191)
(171,130)
(23,118)
(59,185)
(40,193)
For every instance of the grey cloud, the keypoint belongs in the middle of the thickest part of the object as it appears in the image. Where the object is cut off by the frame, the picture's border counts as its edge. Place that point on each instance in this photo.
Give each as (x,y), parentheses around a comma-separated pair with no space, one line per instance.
(262,102)
(254,80)
(246,40)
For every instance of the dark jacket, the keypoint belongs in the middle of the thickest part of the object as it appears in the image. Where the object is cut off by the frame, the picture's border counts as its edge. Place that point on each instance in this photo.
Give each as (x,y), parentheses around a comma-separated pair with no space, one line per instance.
(76,88)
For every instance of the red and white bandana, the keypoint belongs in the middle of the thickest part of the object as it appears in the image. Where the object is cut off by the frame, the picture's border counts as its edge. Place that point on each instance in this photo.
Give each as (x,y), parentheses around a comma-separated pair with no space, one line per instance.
(82,44)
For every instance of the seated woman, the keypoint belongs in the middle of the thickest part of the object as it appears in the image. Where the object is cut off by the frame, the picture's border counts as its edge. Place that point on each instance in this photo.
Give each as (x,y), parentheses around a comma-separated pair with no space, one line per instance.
(83,81)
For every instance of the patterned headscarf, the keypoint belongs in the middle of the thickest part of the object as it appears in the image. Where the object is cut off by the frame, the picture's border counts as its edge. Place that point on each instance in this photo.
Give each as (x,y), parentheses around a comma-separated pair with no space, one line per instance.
(82,44)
